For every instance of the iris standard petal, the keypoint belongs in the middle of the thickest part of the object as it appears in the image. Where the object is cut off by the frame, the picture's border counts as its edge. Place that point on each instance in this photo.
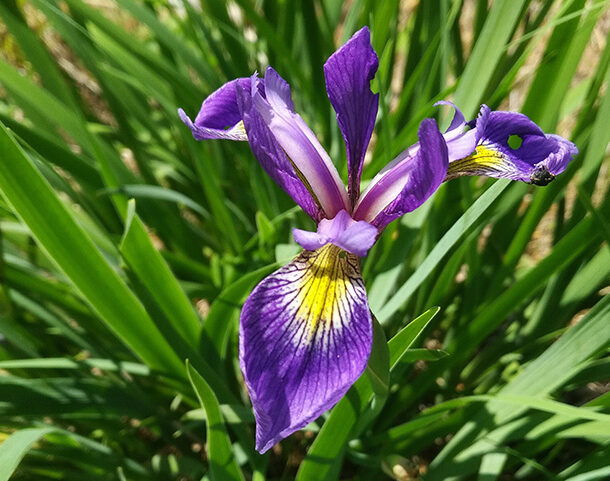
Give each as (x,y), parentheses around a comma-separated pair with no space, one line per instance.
(348,73)
(219,116)
(305,337)
(271,156)
(411,179)
(310,161)
(511,146)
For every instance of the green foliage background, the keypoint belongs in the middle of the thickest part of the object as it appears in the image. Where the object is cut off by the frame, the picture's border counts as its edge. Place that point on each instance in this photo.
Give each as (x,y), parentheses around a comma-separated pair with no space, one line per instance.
(103,298)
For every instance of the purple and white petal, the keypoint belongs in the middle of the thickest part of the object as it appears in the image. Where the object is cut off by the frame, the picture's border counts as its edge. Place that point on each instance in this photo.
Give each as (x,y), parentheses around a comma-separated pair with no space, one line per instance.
(348,73)
(271,156)
(305,337)
(511,146)
(310,161)
(457,123)
(219,116)
(410,180)
(461,141)
(356,237)
(310,241)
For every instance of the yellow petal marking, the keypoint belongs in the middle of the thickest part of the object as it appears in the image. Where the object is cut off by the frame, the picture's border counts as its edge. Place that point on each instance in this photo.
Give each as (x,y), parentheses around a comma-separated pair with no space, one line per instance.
(329,275)
(482,160)
(239,128)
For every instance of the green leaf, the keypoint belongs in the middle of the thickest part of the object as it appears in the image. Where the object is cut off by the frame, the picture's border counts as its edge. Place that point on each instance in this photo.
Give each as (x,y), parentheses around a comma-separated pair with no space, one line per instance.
(139,191)
(378,367)
(451,237)
(413,355)
(68,245)
(37,54)
(16,447)
(223,466)
(266,229)
(545,374)
(489,48)
(154,273)
(404,339)
(491,466)
(65,363)
(218,323)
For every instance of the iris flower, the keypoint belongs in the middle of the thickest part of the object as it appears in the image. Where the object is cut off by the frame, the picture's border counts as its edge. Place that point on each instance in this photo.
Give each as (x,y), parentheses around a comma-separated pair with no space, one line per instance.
(306,329)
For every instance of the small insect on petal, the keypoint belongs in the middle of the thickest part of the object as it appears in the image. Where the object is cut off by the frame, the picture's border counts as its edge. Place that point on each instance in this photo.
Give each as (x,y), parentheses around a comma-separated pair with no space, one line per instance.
(511,146)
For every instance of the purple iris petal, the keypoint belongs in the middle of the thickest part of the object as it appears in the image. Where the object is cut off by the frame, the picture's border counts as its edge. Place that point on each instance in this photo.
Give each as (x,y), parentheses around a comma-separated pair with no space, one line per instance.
(406,184)
(305,337)
(558,161)
(348,73)
(462,142)
(219,116)
(510,145)
(458,122)
(309,240)
(271,156)
(356,237)
(309,158)
(306,330)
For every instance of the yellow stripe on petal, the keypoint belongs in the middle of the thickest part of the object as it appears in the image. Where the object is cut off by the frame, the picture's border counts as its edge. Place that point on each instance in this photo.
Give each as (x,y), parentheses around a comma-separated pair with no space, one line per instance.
(324,288)
(305,336)
(239,129)
(483,161)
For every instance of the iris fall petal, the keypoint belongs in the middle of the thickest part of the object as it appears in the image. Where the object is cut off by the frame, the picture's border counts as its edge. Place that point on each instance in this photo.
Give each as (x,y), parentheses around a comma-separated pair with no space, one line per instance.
(511,146)
(305,337)
(219,116)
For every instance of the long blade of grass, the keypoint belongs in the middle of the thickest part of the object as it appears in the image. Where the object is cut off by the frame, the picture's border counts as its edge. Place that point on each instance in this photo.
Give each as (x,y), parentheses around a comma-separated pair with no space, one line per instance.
(223,466)
(486,54)
(453,235)
(69,246)
(152,270)
(16,447)
(542,376)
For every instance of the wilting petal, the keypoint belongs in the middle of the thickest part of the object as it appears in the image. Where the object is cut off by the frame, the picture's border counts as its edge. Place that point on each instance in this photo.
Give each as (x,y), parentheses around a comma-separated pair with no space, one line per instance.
(271,156)
(511,146)
(219,116)
(356,237)
(348,73)
(310,161)
(410,180)
(305,337)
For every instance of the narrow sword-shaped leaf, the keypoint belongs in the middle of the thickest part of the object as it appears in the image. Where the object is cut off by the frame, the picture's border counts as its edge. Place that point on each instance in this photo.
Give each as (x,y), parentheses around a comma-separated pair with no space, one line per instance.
(486,53)
(16,447)
(223,466)
(453,235)
(67,244)
(549,371)
(152,270)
